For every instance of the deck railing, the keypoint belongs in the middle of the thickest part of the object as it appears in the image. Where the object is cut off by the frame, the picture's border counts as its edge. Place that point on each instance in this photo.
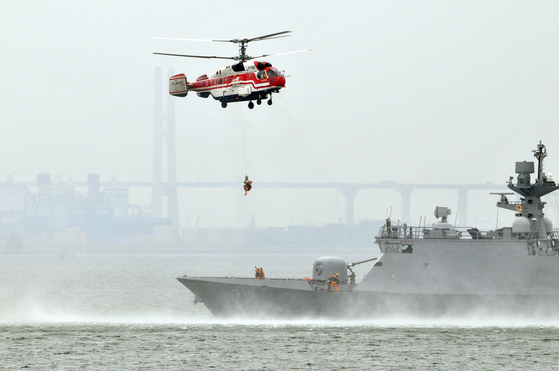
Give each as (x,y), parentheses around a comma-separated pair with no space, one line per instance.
(407,232)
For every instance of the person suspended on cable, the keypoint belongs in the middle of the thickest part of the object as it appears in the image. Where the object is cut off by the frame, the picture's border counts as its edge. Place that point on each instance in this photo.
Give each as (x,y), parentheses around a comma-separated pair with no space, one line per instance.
(248,185)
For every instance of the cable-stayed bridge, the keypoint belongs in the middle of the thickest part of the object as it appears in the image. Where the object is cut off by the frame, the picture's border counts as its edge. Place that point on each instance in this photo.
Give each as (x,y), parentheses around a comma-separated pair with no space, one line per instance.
(348,190)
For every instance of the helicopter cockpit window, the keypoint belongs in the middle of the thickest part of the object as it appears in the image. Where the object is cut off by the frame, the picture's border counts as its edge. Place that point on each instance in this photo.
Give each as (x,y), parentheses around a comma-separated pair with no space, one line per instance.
(261,74)
(273,73)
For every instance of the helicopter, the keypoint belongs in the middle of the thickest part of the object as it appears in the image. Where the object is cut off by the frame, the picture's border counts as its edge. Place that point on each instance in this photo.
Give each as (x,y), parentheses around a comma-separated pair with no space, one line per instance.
(246,80)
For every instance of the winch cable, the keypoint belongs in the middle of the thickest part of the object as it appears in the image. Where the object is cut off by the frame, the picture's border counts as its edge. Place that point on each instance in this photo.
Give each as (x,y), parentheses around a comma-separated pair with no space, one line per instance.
(243,133)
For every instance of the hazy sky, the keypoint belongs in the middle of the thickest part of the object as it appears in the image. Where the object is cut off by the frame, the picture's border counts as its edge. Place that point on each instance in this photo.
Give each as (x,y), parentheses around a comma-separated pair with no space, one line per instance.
(409,91)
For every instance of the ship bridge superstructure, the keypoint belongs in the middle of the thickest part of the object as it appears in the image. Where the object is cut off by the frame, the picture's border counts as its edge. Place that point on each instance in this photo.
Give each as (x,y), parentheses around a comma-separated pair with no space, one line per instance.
(529,210)
(530,224)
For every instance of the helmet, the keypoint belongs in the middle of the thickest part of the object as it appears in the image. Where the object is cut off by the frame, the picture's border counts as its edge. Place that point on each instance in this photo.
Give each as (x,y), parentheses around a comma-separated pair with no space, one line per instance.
(250,181)
(337,275)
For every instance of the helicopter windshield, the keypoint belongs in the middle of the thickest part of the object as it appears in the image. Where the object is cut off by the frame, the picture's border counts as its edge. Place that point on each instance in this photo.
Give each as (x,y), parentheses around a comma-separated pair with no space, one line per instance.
(273,73)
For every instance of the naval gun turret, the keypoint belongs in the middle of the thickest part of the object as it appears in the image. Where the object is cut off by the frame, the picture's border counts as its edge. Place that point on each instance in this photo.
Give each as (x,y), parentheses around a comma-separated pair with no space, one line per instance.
(324,267)
(531,222)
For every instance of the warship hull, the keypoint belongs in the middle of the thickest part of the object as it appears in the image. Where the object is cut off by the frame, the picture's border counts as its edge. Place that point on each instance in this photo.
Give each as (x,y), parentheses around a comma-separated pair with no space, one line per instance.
(425,271)
(232,297)
(436,277)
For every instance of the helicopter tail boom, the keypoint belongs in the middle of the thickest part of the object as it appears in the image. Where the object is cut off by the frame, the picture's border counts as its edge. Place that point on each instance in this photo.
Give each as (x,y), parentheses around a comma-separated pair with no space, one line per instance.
(178,86)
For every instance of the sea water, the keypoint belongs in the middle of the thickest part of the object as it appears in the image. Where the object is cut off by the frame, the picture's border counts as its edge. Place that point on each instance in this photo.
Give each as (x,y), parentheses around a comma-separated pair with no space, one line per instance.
(128,312)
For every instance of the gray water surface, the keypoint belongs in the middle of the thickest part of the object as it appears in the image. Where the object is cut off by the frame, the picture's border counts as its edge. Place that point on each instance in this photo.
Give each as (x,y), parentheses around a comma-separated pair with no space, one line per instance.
(115,312)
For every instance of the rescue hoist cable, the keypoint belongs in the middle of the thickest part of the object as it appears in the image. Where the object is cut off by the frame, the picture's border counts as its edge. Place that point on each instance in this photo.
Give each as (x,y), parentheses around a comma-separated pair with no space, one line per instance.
(243,133)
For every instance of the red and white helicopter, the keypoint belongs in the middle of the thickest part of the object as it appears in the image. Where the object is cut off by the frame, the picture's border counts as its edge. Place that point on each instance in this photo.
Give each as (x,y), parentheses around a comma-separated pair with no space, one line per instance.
(246,80)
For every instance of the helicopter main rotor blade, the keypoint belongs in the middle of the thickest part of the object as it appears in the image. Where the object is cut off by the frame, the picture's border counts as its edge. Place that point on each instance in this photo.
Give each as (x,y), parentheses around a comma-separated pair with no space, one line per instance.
(273,55)
(182,39)
(270,36)
(265,37)
(195,56)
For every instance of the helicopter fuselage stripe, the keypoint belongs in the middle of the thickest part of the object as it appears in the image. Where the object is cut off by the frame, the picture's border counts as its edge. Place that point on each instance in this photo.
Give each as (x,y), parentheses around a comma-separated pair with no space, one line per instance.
(230,85)
(227,90)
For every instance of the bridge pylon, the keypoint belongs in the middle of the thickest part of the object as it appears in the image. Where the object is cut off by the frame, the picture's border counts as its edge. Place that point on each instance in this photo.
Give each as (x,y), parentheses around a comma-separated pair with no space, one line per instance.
(164,129)
(406,203)
(349,195)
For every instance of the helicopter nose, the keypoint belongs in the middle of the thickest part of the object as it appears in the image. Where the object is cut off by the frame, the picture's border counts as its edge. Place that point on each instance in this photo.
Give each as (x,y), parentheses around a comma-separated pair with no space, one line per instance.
(279,81)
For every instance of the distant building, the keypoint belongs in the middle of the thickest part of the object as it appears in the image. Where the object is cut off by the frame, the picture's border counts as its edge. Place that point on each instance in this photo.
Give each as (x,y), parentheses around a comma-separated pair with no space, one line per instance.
(57,213)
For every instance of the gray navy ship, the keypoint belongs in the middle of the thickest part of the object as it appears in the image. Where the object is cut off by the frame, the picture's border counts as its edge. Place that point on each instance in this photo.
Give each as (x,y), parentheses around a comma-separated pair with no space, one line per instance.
(425,271)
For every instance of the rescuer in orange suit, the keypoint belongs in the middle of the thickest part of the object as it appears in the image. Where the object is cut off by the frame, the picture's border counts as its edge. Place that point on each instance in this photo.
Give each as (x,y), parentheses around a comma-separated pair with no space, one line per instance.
(248,185)
(259,275)
(334,281)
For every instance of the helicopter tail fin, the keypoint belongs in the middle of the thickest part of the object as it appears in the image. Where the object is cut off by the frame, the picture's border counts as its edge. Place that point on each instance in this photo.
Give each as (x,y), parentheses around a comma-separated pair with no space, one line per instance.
(178,86)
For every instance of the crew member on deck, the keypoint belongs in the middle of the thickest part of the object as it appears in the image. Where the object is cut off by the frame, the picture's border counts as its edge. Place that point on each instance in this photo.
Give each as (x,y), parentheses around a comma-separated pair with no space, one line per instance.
(352,278)
(334,282)
(259,275)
